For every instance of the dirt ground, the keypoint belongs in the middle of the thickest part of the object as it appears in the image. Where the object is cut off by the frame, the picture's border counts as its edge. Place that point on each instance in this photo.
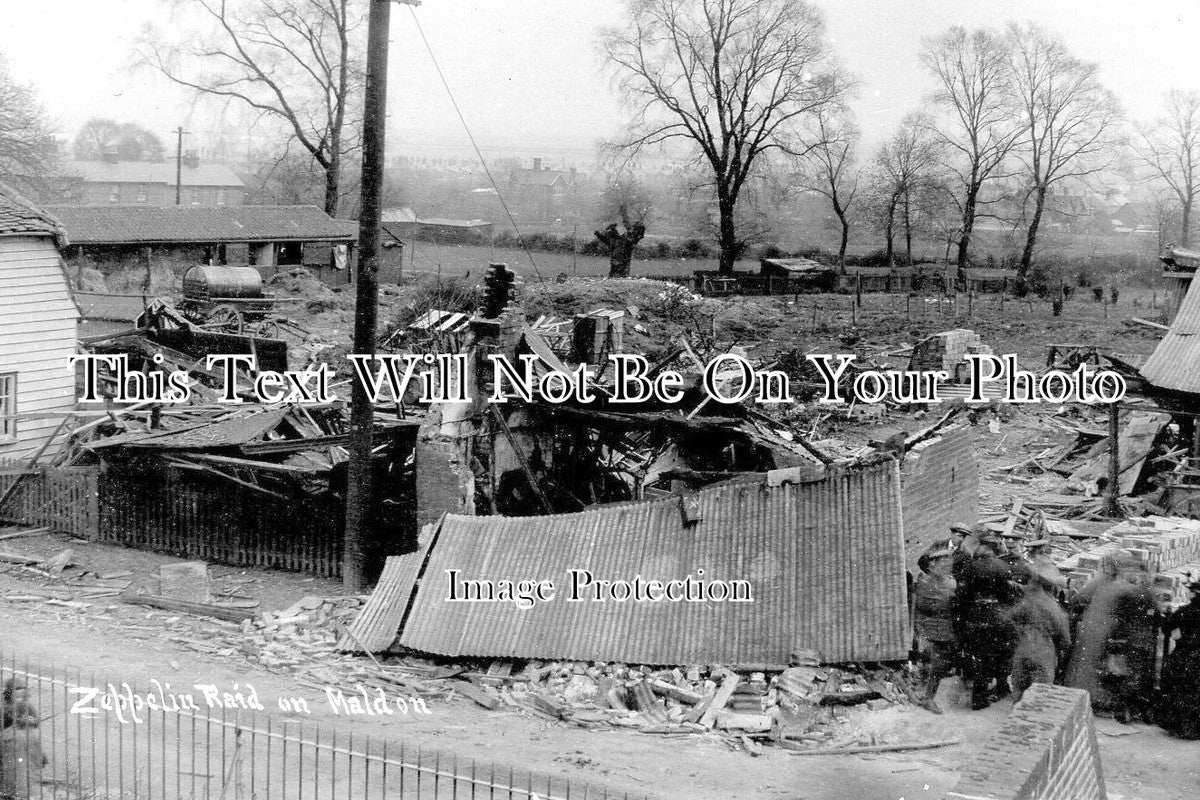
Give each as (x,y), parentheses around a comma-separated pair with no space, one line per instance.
(115,640)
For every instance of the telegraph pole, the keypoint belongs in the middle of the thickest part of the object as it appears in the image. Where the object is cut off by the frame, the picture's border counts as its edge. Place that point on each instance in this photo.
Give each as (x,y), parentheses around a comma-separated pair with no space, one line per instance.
(362,414)
(179,166)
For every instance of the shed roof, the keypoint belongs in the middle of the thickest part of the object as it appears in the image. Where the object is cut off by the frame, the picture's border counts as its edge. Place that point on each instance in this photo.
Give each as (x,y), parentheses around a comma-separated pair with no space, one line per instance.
(825,559)
(153,172)
(1175,363)
(200,224)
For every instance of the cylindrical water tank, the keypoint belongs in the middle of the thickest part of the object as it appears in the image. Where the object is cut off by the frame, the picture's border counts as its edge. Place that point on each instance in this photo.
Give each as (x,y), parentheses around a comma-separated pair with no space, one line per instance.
(222,281)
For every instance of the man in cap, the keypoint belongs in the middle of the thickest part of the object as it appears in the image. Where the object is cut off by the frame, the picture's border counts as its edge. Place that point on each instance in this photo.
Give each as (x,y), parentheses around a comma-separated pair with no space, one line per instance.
(964,541)
(985,595)
(933,618)
(1013,554)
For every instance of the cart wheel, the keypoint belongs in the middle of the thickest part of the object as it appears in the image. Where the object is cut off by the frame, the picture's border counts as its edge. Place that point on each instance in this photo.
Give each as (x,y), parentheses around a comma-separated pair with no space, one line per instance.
(225,318)
(268,329)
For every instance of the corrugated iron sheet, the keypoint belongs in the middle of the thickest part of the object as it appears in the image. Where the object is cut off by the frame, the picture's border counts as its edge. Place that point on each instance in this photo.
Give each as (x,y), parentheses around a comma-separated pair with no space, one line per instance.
(825,560)
(1175,363)
(374,629)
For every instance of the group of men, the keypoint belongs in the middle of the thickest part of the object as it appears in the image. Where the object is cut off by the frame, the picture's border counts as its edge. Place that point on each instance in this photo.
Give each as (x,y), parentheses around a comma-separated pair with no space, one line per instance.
(985,606)
(994,608)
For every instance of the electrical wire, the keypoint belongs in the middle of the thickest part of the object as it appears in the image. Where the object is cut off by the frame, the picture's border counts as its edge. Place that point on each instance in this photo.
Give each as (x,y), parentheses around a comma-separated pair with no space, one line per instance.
(499,195)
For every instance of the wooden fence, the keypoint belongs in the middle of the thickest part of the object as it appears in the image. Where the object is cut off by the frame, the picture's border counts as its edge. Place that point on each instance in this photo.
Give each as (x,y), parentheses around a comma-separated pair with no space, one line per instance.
(212,520)
(62,499)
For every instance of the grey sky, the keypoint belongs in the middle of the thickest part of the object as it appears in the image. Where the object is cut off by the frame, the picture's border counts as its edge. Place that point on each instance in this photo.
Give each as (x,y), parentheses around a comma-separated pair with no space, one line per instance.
(527,75)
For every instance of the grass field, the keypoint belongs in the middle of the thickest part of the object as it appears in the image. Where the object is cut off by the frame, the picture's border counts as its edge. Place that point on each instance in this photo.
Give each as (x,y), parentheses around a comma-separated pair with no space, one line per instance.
(1122,257)
(450,260)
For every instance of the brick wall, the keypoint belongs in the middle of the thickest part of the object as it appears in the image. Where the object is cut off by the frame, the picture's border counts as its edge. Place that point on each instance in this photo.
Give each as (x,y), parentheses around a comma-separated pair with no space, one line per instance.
(939,486)
(945,351)
(444,483)
(1046,750)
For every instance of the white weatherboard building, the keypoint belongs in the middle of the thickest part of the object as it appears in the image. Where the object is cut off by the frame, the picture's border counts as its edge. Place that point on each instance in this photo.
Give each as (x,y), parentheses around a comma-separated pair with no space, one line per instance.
(38,320)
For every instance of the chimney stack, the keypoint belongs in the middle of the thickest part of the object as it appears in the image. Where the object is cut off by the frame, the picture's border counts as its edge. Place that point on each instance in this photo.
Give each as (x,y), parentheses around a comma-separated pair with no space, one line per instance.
(537,165)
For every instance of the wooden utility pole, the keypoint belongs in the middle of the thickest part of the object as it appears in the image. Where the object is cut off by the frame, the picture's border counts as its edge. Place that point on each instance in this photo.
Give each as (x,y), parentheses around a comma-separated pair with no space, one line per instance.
(179,166)
(1112,493)
(362,413)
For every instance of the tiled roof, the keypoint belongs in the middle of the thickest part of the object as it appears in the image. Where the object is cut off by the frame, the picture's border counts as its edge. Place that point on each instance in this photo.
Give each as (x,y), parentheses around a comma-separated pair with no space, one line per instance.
(171,224)
(825,559)
(152,172)
(19,217)
(1175,363)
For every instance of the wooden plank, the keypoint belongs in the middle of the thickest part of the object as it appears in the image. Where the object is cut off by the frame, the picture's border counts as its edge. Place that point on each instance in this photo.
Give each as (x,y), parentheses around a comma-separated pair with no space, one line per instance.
(724,692)
(187,607)
(1134,442)
(480,694)
(647,704)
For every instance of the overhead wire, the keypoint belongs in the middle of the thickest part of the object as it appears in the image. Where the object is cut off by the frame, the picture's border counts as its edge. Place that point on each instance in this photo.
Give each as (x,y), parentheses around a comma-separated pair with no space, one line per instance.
(461,118)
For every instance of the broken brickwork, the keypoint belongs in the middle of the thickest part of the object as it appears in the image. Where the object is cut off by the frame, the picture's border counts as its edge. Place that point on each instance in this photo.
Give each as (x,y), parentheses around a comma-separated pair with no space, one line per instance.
(1046,750)
(939,487)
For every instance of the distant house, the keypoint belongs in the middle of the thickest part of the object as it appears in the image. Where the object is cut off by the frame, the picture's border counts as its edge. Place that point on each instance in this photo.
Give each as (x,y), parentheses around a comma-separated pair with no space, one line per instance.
(1135,218)
(267,237)
(150,183)
(37,328)
(540,192)
(1069,212)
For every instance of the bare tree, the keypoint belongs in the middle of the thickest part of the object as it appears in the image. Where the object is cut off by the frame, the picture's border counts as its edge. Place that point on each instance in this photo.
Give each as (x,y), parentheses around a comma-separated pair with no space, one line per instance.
(906,170)
(28,148)
(973,74)
(733,78)
(1068,116)
(624,200)
(1171,151)
(829,167)
(295,61)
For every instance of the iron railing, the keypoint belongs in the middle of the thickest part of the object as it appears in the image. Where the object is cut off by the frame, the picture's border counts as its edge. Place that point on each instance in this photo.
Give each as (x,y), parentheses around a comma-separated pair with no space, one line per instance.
(72,736)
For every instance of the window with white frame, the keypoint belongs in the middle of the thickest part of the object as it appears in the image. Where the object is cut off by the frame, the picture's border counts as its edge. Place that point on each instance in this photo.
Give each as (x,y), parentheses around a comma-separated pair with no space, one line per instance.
(8,406)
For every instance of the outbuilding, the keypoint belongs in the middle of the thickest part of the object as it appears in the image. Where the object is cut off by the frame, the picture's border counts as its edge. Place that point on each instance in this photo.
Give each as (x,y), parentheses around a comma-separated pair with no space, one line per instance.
(38,319)
(270,238)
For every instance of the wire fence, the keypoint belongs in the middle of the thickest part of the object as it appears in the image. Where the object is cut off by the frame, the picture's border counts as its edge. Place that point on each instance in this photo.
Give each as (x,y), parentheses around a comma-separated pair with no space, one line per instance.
(72,736)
